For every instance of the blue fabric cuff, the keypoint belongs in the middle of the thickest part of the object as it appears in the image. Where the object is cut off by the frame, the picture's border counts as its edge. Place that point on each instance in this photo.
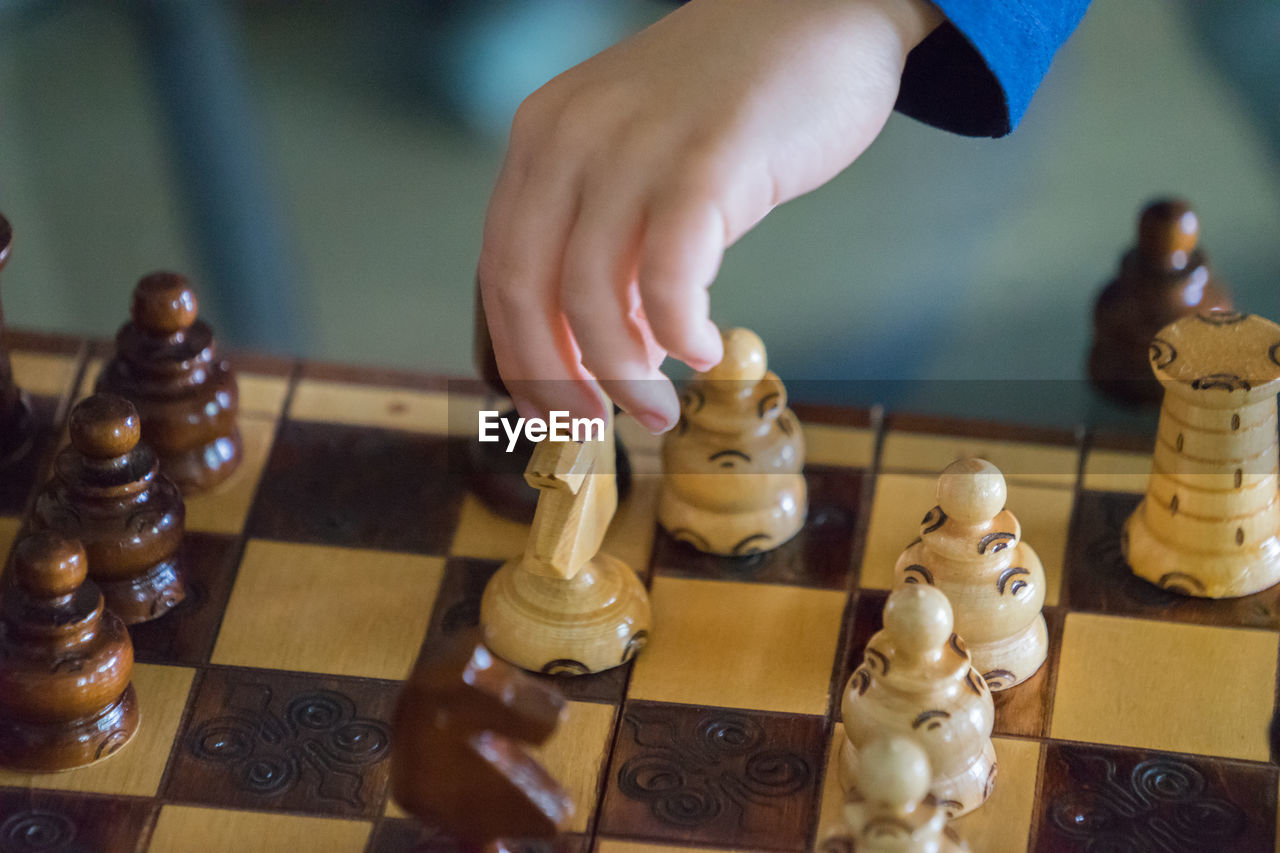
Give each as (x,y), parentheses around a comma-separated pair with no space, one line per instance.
(976,73)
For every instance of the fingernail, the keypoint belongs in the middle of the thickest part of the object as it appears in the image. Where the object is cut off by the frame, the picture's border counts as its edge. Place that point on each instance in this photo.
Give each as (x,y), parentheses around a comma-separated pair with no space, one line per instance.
(654,422)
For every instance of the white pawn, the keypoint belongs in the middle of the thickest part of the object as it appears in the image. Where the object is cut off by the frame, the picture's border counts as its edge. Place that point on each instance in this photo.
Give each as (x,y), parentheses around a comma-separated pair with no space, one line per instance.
(892,811)
(971,548)
(916,680)
(733,483)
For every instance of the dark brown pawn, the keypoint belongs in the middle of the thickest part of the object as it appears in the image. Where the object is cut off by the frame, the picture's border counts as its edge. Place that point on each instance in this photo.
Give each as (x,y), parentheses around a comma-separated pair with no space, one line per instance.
(1163,278)
(497,477)
(65,663)
(166,364)
(459,762)
(17,425)
(108,492)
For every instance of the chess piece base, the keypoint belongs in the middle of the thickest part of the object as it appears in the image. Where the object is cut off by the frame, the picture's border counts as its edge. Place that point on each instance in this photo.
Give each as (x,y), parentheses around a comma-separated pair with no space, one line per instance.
(589,623)
(1203,575)
(1012,660)
(959,794)
(18,433)
(203,468)
(733,532)
(49,747)
(146,597)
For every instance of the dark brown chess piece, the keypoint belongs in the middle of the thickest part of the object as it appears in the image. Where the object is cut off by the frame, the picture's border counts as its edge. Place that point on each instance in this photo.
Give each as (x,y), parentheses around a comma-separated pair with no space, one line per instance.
(17,424)
(497,477)
(1163,278)
(108,492)
(65,663)
(459,761)
(167,366)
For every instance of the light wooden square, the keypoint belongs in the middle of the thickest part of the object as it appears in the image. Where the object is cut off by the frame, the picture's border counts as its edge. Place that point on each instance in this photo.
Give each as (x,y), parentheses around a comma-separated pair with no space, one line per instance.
(135,770)
(1117,471)
(485,535)
(225,509)
(1004,821)
(261,396)
(365,405)
(46,374)
(178,828)
(1047,464)
(575,756)
(757,646)
(845,447)
(1163,685)
(901,501)
(339,611)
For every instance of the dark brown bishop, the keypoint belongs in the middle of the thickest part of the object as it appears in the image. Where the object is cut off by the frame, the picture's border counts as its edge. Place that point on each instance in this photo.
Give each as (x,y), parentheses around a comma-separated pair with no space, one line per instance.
(1165,276)
(108,492)
(17,426)
(65,663)
(166,364)
(460,763)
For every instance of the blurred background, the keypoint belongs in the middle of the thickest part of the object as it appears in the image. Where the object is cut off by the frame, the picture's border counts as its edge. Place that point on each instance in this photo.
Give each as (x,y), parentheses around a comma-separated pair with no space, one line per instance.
(321,170)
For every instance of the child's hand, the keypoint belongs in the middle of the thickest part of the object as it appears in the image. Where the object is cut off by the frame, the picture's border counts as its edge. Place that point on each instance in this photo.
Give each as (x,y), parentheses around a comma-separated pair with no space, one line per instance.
(628,176)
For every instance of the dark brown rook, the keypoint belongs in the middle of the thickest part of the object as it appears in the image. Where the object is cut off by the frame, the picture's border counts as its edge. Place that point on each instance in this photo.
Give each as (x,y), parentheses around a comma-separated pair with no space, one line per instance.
(107,491)
(458,758)
(65,663)
(166,364)
(17,425)
(1163,278)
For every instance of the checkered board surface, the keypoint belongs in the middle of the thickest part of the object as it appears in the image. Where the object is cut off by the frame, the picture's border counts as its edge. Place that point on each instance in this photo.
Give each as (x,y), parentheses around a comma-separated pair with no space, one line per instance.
(348,542)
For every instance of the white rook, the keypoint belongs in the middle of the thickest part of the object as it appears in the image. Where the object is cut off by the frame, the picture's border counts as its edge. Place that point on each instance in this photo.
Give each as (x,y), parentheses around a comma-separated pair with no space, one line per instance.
(1210,522)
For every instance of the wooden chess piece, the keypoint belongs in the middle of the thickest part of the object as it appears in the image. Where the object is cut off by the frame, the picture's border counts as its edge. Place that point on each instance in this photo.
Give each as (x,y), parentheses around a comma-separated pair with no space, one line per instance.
(733,483)
(1164,277)
(565,607)
(65,663)
(17,423)
(892,810)
(107,491)
(916,679)
(460,764)
(971,548)
(166,365)
(496,476)
(1210,522)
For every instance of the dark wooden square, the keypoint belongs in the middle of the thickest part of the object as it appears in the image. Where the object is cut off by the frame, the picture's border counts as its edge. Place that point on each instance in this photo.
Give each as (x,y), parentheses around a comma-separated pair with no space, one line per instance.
(1097,578)
(186,634)
(359,487)
(714,776)
(1022,710)
(1097,798)
(457,609)
(820,555)
(49,821)
(260,739)
(396,835)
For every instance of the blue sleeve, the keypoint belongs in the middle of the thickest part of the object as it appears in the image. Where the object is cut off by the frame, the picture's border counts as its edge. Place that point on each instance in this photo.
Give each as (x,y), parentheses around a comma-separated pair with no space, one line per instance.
(976,73)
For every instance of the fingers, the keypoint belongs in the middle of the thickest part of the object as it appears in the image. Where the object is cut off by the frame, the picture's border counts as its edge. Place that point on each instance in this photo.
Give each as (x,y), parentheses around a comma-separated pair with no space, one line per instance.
(680,256)
(529,220)
(603,308)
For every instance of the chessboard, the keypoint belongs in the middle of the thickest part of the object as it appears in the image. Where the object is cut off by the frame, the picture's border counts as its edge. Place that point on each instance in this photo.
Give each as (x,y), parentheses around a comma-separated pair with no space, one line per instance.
(348,542)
